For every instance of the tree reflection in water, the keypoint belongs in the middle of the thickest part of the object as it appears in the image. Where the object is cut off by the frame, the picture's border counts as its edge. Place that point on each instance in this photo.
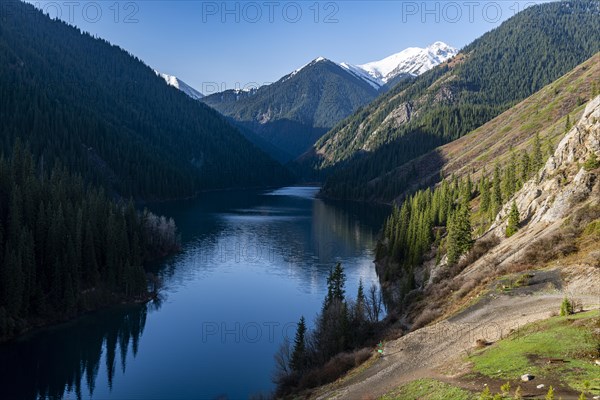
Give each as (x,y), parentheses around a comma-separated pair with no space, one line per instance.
(66,359)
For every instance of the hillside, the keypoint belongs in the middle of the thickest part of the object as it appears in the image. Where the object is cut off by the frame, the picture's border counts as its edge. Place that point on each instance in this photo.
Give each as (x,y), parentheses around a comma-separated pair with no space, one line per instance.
(494,243)
(100,111)
(486,78)
(544,113)
(505,281)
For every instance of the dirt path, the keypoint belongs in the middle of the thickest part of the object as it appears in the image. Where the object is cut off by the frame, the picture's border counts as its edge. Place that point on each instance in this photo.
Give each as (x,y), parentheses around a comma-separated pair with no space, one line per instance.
(438,348)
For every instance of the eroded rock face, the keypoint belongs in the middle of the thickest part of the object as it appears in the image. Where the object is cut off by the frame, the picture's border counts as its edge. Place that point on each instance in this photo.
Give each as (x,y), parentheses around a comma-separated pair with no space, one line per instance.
(399,116)
(562,182)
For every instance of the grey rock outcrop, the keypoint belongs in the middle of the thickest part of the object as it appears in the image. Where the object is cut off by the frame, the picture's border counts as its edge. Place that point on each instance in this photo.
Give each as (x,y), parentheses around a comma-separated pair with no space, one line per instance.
(563,182)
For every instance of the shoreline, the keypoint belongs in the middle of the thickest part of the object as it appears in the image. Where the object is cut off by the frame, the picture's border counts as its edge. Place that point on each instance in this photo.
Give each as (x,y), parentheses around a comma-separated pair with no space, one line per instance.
(38,325)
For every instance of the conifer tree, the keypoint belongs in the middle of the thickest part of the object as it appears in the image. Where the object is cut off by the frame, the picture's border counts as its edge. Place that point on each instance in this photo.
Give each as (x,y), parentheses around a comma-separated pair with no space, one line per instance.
(335,285)
(496,193)
(360,307)
(513,220)
(524,166)
(298,360)
(486,196)
(459,239)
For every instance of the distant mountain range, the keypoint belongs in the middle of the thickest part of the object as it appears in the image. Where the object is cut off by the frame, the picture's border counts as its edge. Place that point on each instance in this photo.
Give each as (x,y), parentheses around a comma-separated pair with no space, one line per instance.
(293,113)
(287,117)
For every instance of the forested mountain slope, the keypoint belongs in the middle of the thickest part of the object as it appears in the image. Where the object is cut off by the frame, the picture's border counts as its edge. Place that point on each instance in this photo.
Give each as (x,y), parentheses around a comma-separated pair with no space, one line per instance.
(487,77)
(547,114)
(66,247)
(108,116)
(539,207)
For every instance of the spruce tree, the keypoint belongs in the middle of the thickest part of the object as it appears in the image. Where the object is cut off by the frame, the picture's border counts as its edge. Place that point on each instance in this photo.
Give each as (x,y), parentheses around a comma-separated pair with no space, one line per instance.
(496,193)
(299,359)
(513,220)
(335,285)
(486,197)
(459,239)
(360,308)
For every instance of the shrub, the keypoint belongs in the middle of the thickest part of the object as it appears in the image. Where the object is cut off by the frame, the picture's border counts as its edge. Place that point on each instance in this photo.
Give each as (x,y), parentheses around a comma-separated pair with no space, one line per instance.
(467,287)
(518,393)
(426,317)
(550,248)
(566,307)
(591,163)
(485,395)
(592,229)
(480,248)
(334,368)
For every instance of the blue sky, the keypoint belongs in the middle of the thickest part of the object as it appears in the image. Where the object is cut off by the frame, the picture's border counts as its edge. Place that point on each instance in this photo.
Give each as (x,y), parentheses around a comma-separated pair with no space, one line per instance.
(216,45)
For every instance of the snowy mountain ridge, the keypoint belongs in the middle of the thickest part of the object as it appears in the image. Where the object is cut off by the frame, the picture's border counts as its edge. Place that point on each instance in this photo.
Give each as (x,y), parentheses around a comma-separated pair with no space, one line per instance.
(412,61)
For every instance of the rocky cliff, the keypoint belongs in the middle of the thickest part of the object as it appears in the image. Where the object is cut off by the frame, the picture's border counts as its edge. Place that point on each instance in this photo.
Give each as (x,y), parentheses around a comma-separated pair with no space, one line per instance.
(564,183)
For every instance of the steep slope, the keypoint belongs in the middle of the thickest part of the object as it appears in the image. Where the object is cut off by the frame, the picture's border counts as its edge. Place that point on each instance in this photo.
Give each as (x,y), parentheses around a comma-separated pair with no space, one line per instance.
(487,77)
(555,254)
(433,228)
(567,182)
(544,113)
(92,106)
(292,113)
(181,85)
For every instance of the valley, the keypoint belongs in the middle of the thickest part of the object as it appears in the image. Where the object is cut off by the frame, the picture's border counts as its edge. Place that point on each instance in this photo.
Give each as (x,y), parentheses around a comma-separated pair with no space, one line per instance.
(422,226)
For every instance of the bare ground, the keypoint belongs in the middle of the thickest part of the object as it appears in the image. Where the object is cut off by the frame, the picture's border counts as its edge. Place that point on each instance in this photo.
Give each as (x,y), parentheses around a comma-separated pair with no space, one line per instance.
(438,350)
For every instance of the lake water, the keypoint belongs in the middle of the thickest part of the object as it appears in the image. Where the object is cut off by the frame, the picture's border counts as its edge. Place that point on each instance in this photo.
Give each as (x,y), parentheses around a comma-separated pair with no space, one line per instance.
(252,263)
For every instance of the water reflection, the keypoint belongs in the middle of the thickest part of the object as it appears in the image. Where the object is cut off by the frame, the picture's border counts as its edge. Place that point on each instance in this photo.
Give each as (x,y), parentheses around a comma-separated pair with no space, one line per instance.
(249,259)
(65,360)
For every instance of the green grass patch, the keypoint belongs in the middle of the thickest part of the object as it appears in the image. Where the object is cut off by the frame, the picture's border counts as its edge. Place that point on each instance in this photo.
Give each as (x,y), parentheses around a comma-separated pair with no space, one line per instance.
(429,389)
(529,349)
(592,229)
(533,126)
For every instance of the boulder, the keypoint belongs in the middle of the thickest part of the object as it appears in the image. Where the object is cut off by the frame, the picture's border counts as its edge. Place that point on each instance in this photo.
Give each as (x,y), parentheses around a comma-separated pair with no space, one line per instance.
(527,377)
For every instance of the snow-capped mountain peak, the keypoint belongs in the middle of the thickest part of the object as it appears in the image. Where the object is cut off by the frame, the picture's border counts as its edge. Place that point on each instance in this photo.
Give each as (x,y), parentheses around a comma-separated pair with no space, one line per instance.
(181,85)
(412,61)
(313,62)
(362,74)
